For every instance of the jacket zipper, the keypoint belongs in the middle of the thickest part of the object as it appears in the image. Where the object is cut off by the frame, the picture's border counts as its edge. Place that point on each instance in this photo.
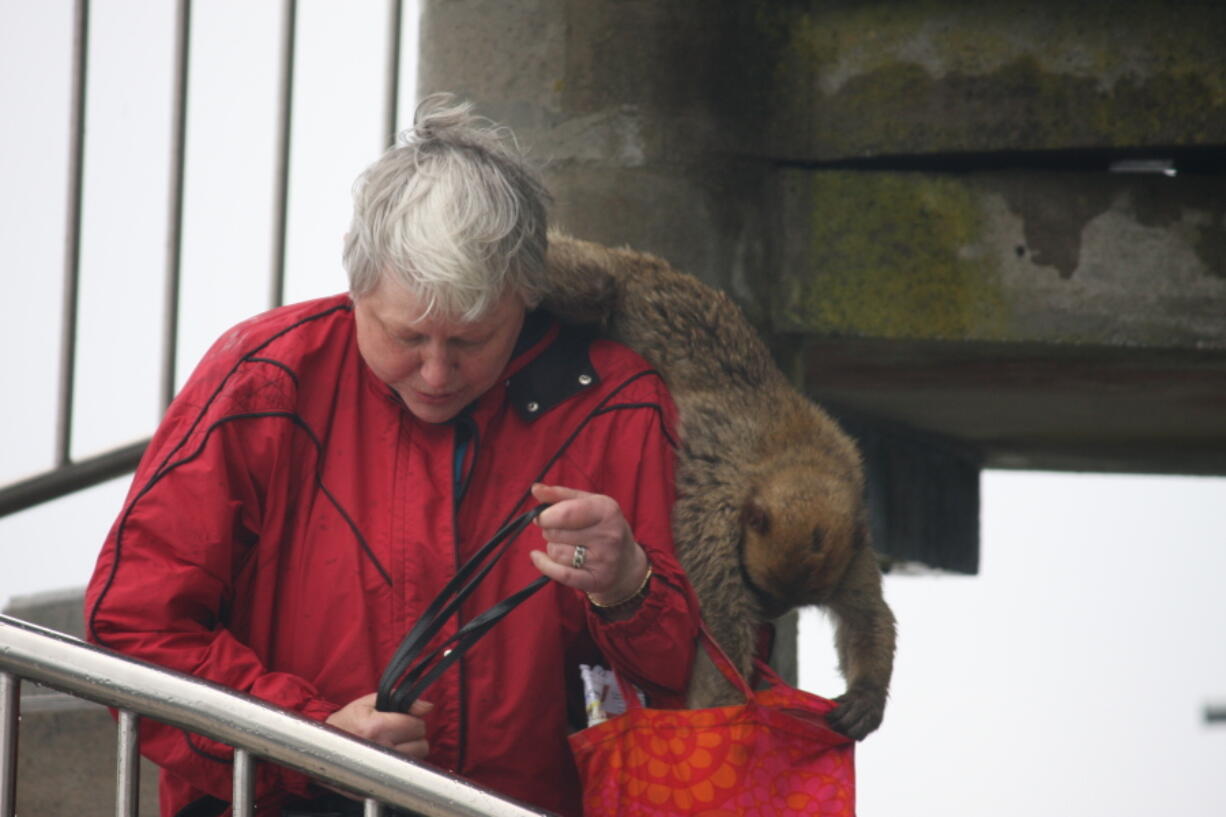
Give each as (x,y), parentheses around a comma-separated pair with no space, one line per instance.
(459,481)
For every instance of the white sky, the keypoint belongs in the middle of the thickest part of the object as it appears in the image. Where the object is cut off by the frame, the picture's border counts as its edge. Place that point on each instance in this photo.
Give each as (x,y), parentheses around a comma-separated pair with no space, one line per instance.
(1068,678)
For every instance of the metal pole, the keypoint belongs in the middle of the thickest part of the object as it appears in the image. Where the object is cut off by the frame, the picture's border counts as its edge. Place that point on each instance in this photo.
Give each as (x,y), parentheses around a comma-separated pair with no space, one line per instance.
(284,121)
(127,777)
(373,808)
(174,227)
(68,478)
(392,101)
(72,236)
(10,704)
(244,784)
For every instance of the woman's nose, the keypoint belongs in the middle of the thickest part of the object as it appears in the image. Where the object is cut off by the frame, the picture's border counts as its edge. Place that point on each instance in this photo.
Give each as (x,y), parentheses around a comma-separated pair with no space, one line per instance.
(436,367)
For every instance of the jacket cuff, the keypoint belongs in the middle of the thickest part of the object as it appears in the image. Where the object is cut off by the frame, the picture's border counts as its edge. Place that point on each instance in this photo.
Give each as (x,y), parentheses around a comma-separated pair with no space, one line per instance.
(297,783)
(318,709)
(659,597)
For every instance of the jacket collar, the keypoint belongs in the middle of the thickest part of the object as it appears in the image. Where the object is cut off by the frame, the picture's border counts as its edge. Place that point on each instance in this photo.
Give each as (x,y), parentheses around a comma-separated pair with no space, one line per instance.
(551,365)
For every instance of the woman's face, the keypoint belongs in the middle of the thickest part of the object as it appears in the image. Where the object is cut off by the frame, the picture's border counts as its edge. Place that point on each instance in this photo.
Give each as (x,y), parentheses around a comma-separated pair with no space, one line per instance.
(438,365)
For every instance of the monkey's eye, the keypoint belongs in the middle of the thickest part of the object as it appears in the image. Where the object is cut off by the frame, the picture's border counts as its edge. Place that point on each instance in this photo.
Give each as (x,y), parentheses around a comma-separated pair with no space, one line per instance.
(817,540)
(757,518)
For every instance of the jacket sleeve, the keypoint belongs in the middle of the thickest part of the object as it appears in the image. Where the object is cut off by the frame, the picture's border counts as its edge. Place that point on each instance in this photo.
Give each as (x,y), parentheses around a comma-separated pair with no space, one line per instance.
(166,574)
(655,647)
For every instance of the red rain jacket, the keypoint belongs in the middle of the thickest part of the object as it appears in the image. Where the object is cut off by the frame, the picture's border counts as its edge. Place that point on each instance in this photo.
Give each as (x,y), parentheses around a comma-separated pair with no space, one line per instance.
(291,520)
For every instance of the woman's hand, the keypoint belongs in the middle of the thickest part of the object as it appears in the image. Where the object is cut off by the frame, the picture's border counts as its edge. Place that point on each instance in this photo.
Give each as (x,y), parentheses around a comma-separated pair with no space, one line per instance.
(403,733)
(612,566)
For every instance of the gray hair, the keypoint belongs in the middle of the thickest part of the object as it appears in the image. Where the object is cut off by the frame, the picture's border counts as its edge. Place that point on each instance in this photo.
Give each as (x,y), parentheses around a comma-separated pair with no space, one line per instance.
(452,213)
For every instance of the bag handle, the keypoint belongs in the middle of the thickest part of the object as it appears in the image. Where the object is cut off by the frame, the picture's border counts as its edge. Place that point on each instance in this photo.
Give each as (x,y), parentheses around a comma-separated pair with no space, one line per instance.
(722,662)
(718,657)
(409,673)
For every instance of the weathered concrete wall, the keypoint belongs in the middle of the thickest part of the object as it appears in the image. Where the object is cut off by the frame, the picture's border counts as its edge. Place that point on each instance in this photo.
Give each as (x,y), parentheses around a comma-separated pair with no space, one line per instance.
(851,79)
(1045,316)
(1062,258)
(1050,320)
(812,80)
(1036,406)
(1049,316)
(623,105)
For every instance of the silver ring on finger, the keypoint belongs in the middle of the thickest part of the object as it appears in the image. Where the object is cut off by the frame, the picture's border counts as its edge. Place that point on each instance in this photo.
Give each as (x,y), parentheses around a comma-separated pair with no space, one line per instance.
(579,558)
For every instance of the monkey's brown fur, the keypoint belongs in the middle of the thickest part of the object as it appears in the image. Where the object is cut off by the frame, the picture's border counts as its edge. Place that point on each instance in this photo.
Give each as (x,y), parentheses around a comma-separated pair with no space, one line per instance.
(769,514)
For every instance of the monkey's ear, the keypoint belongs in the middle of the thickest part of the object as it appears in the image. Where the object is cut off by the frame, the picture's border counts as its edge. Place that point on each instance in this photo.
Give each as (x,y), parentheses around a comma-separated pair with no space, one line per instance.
(755,517)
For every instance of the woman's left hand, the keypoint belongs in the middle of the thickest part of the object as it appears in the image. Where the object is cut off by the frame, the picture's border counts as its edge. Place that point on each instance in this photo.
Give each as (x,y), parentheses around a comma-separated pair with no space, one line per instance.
(611,565)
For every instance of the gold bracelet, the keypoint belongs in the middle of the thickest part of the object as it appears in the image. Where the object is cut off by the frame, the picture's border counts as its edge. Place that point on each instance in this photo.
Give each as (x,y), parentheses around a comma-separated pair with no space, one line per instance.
(628,598)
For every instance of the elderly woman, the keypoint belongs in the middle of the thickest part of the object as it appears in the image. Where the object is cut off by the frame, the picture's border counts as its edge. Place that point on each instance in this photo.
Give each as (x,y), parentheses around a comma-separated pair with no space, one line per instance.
(330,464)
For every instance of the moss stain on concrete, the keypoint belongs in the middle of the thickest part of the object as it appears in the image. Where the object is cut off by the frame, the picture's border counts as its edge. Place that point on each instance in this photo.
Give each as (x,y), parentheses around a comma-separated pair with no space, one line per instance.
(1018,106)
(888,260)
(927,75)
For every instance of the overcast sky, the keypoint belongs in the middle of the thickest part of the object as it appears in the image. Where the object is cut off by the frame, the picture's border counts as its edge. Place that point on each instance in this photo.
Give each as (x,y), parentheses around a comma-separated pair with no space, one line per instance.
(1069,677)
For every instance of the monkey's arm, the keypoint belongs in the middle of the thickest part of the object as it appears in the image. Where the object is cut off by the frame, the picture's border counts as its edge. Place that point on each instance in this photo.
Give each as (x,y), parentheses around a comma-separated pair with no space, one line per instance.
(864,636)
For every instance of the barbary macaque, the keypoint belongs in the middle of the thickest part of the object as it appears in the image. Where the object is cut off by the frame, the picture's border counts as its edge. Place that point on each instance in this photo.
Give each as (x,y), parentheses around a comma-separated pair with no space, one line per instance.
(770,512)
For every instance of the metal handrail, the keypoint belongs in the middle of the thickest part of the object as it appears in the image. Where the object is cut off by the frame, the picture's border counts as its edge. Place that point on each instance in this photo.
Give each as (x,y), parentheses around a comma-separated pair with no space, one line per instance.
(254,727)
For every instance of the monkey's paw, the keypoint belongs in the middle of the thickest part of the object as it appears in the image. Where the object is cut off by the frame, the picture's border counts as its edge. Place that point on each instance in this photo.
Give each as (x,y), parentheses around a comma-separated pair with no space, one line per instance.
(858,713)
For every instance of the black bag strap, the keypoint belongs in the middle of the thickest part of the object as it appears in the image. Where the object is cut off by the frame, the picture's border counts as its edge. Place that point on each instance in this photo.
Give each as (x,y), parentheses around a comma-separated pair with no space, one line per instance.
(409,673)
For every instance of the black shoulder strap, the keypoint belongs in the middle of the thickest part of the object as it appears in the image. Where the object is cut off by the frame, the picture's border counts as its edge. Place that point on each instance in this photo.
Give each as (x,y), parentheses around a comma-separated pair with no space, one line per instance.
(409,673)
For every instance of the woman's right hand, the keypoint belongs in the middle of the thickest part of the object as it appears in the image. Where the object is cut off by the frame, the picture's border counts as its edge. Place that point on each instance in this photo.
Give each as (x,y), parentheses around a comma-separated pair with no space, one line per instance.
(403,733)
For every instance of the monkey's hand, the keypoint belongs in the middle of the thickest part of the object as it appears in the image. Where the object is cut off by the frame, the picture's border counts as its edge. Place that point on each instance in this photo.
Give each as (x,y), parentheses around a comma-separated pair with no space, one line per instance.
(860,710)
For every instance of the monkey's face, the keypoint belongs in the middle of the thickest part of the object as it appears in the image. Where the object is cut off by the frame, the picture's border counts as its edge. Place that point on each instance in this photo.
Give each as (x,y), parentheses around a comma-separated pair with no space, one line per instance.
(800,529)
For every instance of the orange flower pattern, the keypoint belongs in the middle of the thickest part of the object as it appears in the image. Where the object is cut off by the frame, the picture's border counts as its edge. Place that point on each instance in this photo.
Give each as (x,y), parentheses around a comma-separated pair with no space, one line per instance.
(770,757)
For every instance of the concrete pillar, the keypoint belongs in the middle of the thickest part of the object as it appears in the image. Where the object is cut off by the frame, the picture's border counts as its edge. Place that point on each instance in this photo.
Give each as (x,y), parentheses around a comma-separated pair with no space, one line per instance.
(1055,320)
(624,104)
(652,121)
(915,202)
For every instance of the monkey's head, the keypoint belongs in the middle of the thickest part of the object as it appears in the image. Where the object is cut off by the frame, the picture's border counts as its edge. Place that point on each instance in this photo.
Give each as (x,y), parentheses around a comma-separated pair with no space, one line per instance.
(801,525)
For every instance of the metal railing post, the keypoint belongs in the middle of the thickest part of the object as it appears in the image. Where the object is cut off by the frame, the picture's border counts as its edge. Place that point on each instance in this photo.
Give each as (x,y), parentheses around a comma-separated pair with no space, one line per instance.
(174,209)
(10,707)
(72,237)
(244,784)
(285,108)
(391,100)
(127,772)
